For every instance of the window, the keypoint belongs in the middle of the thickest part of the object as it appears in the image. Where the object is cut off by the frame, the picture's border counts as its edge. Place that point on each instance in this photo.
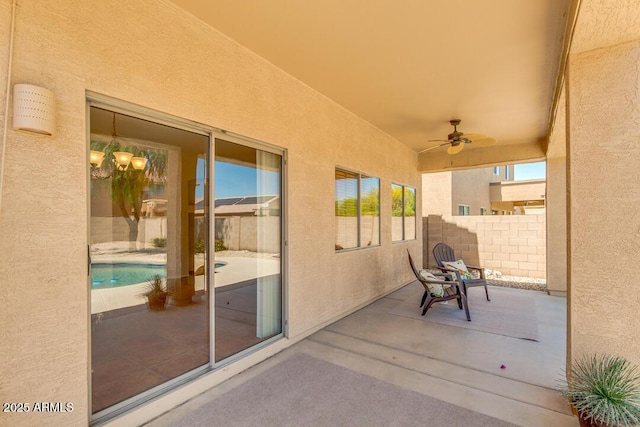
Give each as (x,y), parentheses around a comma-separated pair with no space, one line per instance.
(463,210)
(496,170)
(507,173)
(483,211)
(357,210)
(403,213)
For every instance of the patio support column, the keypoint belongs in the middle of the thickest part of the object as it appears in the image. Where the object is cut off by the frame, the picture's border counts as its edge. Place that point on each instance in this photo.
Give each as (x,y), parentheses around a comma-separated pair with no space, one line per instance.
(556,203)
(556,210)
(604,189)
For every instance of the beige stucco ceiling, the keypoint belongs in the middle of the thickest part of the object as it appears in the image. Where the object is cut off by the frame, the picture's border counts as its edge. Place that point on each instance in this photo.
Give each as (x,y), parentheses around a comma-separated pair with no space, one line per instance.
(408,67)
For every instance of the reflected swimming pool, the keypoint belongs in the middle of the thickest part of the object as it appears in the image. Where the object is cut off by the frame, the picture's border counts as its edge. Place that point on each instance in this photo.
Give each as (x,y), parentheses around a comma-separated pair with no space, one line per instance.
(123,274)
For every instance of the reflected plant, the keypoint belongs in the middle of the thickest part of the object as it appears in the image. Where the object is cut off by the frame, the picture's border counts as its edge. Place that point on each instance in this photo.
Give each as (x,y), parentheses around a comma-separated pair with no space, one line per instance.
(128,186)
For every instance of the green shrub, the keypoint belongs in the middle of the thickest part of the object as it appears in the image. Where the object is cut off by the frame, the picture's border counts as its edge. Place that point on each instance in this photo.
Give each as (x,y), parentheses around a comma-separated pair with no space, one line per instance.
(199,246)
(159,242)
(220,246)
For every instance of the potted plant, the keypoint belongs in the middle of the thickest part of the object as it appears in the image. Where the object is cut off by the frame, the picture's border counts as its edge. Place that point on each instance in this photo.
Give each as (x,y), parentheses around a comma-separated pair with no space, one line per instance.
(156,293)
(605,391)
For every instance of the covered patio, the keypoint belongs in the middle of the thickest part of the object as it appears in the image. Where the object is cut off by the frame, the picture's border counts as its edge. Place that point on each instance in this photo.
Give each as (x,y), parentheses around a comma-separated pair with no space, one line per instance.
(492,378)
(354,89)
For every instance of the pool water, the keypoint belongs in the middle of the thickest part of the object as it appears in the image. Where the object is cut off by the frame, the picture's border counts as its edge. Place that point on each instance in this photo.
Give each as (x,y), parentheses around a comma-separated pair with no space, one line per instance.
(115,275)
(125,274)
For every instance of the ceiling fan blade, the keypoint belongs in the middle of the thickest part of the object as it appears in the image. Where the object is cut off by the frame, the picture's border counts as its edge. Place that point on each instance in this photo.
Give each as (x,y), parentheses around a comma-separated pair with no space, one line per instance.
(483,142)
(473,136)
(455,149)
(434,147)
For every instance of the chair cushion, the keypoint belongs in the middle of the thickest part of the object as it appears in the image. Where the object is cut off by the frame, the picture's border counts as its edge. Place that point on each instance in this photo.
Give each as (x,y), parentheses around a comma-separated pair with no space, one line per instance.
(427,275)
(435,289)
(460,267)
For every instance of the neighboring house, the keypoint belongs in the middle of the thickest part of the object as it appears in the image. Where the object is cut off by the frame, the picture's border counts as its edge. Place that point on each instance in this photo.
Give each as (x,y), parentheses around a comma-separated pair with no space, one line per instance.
(482,191)
(518,197)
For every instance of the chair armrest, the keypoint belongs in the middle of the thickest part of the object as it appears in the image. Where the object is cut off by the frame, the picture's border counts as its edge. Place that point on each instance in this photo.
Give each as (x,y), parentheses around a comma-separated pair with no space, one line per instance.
(479,269)
(440,282)
(452,272)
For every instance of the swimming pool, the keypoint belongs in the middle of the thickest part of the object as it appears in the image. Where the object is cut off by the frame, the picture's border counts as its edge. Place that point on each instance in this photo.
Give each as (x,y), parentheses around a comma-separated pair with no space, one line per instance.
(124,274)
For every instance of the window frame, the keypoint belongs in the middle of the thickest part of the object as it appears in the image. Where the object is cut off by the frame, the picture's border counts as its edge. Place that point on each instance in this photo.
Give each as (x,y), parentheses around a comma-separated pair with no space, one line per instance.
(359,176)
(403,216)
(465,209)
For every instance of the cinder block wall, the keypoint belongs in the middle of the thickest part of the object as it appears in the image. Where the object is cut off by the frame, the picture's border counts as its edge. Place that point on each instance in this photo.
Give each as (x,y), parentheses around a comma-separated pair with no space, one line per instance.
(514,245)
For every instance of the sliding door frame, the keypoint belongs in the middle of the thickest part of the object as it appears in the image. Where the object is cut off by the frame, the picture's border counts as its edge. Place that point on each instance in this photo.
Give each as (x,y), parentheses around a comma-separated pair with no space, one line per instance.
(94,99)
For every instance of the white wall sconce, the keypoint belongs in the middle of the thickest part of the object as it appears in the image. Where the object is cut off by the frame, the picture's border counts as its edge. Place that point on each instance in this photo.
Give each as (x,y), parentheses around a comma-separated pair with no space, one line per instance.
(34,109)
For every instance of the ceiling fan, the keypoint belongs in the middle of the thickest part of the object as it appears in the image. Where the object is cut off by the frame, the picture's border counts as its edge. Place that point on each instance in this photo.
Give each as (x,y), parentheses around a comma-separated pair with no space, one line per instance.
(457,140)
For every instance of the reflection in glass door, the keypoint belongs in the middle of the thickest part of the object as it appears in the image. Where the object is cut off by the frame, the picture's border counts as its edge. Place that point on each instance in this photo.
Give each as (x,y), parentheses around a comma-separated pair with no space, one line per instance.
(149,216)
(248,274)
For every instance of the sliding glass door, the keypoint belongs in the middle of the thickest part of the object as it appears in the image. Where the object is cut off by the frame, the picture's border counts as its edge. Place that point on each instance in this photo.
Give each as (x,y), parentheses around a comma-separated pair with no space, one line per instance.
(148,250)
(248,229)
(153,312)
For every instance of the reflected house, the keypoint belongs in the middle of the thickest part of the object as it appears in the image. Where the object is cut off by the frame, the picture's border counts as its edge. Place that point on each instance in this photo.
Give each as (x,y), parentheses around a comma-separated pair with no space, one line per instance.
(247,206)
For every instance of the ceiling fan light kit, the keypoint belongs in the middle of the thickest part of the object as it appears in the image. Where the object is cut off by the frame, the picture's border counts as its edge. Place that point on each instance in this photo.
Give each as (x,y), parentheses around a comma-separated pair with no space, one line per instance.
(456,140)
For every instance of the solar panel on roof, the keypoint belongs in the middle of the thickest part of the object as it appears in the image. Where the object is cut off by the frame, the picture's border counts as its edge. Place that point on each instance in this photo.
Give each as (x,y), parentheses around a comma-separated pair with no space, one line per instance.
(226,202)
(248,201)
(255,200)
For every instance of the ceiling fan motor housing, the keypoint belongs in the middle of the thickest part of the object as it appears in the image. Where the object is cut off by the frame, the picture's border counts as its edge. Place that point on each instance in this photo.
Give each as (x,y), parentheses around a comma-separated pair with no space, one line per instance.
(455,136)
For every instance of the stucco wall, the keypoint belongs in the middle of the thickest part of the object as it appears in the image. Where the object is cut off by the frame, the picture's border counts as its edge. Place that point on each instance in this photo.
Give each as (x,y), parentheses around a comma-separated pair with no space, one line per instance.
(518,190)
(556,210)
(515,245)
(436,193)
(471,187)
(604,184)
(444,191)
(155,55)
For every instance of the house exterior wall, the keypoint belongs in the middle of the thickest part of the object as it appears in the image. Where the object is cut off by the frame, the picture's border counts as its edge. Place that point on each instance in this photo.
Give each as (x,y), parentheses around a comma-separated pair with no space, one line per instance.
(471,187)
(515,245)
(518,190)
(159,57)
(444,191)
(604,106)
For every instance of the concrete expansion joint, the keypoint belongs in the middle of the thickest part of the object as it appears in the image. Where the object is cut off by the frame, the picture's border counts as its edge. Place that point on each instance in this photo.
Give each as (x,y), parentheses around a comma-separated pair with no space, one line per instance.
(316,339)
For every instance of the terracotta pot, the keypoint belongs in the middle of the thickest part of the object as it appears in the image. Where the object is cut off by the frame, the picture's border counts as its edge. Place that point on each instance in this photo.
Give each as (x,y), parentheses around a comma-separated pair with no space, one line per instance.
(157,303)
(590,422)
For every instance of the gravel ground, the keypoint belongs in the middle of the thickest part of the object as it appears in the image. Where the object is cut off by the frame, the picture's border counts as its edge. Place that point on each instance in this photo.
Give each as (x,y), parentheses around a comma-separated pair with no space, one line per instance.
(519,283)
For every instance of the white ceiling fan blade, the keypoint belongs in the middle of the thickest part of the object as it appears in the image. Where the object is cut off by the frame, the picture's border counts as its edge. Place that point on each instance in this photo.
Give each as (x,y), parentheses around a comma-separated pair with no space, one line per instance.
(455,149)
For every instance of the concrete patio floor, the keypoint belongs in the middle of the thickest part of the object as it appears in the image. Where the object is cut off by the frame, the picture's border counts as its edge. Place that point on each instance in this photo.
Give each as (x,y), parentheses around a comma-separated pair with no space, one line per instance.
(456,365)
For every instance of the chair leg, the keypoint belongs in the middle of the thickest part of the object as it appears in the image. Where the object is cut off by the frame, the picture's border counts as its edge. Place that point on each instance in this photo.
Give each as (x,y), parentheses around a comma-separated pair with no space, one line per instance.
(424,297)
(428,305)
(486,291)
(466,306)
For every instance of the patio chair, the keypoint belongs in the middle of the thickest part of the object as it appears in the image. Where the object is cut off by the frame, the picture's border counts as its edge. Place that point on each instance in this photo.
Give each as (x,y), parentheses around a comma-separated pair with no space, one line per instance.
(453,292)
(444,253)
